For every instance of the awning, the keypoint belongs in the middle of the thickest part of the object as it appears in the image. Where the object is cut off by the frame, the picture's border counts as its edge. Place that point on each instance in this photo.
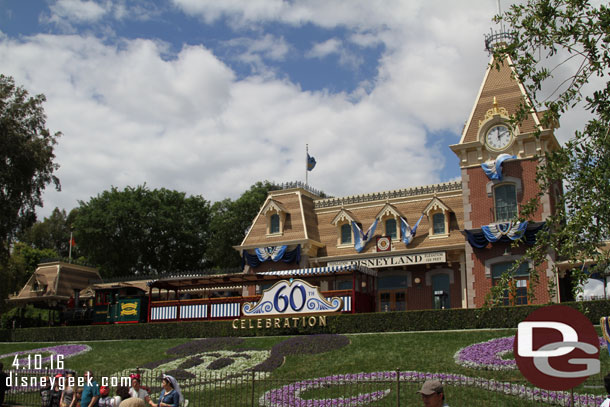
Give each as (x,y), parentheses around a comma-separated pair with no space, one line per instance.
(321,270)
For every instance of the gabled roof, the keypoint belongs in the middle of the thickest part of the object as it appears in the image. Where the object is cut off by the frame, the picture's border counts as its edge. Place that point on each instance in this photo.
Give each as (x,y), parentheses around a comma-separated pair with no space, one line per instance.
(55,282)
(300,223)
(389,210)
(434,204)
(273,205)
(343,215)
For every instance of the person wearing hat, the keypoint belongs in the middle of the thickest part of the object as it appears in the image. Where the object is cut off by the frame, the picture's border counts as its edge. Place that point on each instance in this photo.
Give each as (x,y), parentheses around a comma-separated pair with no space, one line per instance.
(106,400)
(171,396)
(432,394)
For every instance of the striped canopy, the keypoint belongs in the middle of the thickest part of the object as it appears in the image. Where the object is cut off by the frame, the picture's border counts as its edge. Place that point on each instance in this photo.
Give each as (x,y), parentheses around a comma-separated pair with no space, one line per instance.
(321,270)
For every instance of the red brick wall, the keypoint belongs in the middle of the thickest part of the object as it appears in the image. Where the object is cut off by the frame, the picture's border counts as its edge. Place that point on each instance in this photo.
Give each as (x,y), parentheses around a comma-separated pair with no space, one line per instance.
(483,284)
(482,214)
(421,296)
(482,204)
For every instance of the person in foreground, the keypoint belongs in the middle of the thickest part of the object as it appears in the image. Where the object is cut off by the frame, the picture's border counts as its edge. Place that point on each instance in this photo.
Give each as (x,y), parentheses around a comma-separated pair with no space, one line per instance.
(91,393)
(170,395)
(432,394)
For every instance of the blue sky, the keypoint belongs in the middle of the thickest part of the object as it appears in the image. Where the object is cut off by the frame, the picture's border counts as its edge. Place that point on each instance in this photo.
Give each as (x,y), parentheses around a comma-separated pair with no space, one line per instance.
(208,97)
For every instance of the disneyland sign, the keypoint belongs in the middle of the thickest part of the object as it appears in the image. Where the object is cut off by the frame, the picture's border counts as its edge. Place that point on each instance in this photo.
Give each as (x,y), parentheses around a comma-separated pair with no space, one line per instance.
(389,261)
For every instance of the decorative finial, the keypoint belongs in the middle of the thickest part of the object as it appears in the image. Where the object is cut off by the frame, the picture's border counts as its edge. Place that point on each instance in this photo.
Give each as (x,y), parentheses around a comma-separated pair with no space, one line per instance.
(499,38)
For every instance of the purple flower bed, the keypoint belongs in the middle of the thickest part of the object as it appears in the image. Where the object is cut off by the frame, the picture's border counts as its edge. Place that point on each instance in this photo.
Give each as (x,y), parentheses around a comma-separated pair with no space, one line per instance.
(67,351)
(290,395)
(488,355)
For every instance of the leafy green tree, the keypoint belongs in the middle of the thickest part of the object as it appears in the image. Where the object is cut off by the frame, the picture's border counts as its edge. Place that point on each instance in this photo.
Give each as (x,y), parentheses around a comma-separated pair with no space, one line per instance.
(19,268)
(563,45)
(26,160)
(230,221)
(139,231)
(52,233)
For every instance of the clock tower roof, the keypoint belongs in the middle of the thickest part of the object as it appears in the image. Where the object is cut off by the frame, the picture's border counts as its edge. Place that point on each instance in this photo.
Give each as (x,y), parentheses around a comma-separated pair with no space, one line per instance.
(500,85)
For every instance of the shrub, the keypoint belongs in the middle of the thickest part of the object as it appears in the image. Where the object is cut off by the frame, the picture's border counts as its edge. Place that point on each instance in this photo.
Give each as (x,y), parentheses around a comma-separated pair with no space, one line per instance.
(424,320)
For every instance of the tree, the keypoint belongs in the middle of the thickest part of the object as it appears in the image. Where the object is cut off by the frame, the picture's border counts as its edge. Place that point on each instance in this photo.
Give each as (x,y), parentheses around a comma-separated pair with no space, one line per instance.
(18,269)
(139,231)
(26,160)
(230,222)
(52,233)
(550,37)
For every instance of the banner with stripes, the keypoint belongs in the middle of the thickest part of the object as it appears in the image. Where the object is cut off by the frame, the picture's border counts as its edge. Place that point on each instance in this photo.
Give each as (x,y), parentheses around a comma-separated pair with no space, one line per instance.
(162,313)
(194,311)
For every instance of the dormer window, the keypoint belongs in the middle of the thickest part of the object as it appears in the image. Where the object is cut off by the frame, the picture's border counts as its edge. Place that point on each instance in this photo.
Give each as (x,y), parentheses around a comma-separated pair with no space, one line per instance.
(390,219)
(390,228)
(346,233)
(438,218)
(438,224)
(274,224)
(276,217)
(343,223)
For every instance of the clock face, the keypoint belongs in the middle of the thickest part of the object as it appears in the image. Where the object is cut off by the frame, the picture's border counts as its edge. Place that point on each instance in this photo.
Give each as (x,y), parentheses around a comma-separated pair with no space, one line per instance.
(498,137)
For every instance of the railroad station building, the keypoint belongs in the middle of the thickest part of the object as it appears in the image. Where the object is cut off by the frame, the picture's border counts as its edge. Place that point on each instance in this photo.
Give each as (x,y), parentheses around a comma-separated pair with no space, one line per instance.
(464,229)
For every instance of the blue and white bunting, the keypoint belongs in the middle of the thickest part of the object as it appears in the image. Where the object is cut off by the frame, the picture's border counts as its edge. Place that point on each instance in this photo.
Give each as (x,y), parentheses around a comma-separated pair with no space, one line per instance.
(512,230)
(493,168)
(407,233)
(361,239)
(274,253)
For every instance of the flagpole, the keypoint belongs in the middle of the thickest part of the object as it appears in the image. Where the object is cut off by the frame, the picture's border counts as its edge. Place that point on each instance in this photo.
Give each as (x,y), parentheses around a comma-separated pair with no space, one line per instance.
(70,250)
(306,162)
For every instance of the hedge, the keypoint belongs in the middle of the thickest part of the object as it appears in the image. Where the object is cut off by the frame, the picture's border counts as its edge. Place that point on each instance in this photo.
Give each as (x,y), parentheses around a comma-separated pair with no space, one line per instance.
(425,320)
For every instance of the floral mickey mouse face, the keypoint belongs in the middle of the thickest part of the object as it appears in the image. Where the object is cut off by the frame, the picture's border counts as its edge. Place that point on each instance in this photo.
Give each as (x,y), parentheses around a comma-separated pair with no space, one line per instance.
(191,367)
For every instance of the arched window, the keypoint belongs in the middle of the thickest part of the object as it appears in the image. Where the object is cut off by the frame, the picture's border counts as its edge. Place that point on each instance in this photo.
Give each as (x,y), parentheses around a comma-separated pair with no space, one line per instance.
(390,228)
(346,233)
(274,224)
(438,224)
(505,196)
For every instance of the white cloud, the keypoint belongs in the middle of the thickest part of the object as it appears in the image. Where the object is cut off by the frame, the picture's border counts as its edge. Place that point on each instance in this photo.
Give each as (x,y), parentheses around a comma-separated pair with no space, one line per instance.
(65,12)
(323,49)
(256,51)
(131,115)
(335,46)
(128,117)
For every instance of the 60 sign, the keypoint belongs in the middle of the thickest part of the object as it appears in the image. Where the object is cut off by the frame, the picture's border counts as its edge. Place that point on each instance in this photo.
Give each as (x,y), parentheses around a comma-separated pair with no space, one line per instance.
(289,299)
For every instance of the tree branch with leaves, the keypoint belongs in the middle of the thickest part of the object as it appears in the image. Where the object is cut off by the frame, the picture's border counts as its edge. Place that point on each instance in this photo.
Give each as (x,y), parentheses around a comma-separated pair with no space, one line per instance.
(561,54)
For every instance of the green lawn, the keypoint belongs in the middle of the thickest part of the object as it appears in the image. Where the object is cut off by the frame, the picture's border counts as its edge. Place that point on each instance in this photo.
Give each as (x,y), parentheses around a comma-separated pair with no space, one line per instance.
(430,352)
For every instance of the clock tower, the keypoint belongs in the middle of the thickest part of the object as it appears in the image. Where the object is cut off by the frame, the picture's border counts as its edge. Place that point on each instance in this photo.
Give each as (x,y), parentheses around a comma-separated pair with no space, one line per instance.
(498,161)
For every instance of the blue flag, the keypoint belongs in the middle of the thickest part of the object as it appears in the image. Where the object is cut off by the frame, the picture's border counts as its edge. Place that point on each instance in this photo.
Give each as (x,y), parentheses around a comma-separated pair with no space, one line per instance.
(360,238)
(407,233)
(311,162)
